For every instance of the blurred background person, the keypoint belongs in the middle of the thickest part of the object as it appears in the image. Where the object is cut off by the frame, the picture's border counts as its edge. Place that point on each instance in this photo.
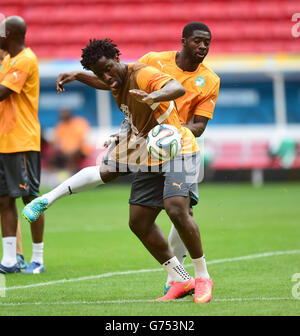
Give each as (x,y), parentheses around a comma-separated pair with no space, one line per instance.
(70,142)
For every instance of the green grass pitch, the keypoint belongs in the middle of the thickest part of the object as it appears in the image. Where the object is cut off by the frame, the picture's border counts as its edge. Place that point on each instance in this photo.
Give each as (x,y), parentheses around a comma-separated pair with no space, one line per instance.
(96,266)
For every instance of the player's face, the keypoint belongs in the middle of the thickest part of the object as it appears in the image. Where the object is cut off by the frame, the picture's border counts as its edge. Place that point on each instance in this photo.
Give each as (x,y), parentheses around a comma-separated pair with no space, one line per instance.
(110,71)
(198,45)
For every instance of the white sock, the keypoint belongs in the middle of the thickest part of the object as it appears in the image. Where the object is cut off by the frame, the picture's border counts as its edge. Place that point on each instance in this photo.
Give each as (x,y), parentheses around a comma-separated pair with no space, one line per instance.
(9,258)
(178,248)
(175,270)
(37,253)
(200,268)
(86,179)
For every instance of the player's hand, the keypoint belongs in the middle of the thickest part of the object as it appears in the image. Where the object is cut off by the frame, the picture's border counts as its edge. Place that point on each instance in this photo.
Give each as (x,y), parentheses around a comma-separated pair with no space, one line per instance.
(63,79)
(113,138)
(142,96)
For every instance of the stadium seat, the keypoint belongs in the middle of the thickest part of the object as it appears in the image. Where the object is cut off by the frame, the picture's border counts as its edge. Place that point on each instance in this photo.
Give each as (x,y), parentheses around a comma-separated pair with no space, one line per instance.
(296,163)
(258,156)
(9,10)
(228,156)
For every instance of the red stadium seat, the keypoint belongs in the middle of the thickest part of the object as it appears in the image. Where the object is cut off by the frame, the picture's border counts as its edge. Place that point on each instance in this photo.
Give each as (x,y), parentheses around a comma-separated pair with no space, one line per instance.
(228,156)
(8,10)
(258,156)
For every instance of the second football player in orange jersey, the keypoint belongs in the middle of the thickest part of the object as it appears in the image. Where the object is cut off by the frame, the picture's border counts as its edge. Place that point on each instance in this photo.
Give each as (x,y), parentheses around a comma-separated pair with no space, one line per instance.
(196,106)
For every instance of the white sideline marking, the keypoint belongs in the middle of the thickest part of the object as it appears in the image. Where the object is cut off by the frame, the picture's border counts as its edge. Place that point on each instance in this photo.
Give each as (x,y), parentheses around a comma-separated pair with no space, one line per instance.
(146,301)
(111,274)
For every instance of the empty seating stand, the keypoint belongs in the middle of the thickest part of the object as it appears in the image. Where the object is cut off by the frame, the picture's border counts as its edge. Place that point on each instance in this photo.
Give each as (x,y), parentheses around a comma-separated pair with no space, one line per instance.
(253,156)
(62,28)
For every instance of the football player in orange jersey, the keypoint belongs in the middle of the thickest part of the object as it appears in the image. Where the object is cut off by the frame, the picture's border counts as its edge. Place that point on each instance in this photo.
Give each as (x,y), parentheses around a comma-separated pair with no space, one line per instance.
(20,257)
(19,143)
(137,88)
(195,107)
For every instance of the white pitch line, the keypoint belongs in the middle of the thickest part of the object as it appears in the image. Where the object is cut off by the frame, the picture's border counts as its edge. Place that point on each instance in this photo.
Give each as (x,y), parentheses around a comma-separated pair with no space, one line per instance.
(146,301)
(253,256)
(111,274)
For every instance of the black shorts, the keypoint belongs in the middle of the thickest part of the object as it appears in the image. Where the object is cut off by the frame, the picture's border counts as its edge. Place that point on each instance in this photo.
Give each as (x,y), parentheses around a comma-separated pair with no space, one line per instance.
(151,189)
(20,174)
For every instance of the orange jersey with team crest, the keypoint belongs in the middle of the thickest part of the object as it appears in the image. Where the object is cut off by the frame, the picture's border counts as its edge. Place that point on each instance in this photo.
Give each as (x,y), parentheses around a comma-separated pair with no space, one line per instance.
(201,85)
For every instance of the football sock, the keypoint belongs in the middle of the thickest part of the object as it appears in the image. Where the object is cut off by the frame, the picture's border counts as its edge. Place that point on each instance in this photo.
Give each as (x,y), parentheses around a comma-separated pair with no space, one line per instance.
(200,268)
(9,258)
(178,248)
(86,179)
(175,270)
(37,253)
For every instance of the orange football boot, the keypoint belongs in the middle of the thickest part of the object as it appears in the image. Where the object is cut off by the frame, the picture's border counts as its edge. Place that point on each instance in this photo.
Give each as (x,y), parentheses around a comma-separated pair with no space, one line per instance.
(179,290)
(203,290)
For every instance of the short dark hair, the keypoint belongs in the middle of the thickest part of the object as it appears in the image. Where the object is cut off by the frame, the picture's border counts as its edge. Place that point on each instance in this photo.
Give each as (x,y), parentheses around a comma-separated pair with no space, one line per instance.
(97,49)
(190,27)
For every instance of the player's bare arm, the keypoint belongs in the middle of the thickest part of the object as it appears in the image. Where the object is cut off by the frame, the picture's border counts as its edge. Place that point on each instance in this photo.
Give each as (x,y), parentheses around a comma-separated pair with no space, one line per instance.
(170,91)
(83,77)
(198,126)
(4,92)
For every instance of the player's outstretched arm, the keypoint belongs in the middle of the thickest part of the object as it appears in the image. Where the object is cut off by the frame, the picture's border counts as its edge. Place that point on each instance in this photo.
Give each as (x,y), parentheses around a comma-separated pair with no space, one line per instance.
(83,77)
(170,91)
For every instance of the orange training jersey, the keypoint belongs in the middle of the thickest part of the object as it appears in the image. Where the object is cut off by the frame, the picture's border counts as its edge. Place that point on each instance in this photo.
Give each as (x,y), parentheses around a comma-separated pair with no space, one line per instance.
(202,85)
(140,116)
(19,124)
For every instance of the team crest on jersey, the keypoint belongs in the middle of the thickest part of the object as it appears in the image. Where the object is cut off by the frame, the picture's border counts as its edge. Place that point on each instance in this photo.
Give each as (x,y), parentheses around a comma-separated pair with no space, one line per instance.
(200,81)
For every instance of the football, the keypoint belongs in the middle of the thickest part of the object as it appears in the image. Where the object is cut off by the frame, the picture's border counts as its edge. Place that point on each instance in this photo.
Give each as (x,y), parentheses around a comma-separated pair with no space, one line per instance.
(164,142)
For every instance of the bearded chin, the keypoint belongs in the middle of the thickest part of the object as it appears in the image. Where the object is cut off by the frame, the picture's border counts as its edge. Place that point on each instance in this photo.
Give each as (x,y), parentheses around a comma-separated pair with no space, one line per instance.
(198,59)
